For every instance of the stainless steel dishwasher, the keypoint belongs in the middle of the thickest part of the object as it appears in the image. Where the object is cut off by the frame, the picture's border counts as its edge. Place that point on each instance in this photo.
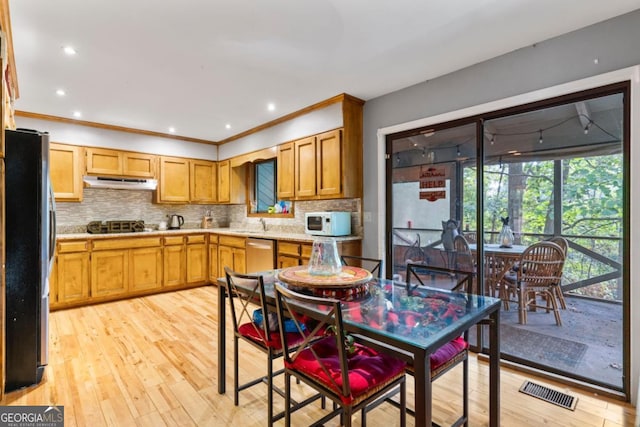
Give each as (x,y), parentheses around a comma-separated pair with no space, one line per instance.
(261,255)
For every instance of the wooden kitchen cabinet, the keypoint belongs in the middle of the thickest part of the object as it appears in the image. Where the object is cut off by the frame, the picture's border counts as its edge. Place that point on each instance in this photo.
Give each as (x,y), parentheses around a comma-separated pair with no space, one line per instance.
(203,178)
(232,254)
(196,259)
(224,181)
(175,261)
(66,166)
(145,269)
(102,161)
(173,182)
(329,163)
(69,279)
(305,167)
(120,267)
(139,165)
(286,171)
(214,274)
(109,273)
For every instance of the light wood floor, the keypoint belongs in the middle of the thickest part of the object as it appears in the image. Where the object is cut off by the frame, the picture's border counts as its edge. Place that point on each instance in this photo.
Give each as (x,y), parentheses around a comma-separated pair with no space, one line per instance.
(152,361)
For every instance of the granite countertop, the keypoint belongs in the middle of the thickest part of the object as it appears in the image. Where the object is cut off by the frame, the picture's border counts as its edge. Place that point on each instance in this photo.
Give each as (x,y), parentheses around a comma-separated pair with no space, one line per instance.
(255,233)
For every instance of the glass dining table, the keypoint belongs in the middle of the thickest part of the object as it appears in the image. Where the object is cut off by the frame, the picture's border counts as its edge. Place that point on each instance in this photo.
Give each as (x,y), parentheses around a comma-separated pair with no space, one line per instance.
(408,323)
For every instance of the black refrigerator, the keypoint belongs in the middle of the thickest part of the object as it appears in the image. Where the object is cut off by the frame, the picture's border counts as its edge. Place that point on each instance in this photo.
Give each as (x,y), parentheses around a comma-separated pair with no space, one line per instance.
(29,245)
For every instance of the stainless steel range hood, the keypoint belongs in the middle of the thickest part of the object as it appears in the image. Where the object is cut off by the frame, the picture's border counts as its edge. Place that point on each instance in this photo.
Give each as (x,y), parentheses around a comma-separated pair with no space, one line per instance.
(120,183)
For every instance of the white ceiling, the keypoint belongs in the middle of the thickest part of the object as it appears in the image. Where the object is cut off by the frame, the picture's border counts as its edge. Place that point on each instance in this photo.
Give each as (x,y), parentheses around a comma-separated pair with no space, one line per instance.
(197,65)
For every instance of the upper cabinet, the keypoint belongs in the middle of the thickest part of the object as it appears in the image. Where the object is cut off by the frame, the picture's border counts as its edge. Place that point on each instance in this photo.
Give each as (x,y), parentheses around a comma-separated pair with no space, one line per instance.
(203,181)
(102,161)
(322,166)
(224,183)
(285,171)
(173,182)
(326,165)
(66,166)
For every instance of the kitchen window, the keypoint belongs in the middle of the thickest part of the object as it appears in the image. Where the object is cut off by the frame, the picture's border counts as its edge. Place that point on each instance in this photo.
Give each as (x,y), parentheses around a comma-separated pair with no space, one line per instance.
(265,185)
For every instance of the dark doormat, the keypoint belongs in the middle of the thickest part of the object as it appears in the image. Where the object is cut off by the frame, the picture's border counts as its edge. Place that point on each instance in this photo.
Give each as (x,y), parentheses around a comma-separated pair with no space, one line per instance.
(544,349)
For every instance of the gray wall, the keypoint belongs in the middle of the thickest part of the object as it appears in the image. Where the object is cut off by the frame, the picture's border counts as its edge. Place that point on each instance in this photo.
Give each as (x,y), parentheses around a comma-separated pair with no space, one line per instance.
(615,44)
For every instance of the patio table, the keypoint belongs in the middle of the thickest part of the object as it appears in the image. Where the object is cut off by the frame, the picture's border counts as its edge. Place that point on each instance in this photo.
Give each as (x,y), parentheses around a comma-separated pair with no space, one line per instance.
(368,317)
(497,261)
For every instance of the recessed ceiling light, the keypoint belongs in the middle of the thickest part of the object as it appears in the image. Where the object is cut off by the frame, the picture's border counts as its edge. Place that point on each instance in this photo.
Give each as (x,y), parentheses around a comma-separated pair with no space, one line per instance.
(172,130)
(60,92)
(228,126)
(69,50)
(271,106)
(77,114)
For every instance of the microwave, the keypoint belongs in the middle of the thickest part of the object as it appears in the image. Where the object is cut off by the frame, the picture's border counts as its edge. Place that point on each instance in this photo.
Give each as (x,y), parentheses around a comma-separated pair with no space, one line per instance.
(328,223)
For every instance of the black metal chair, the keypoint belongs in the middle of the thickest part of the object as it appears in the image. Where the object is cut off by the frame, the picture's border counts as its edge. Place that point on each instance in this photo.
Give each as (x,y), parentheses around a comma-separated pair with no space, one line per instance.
(264,337)
(352,375)
(374,265)
(455,351)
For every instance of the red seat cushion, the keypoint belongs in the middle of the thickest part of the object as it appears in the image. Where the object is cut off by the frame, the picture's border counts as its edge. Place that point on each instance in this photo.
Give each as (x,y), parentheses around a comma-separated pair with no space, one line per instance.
(256,333)
(447,352)
(368,369)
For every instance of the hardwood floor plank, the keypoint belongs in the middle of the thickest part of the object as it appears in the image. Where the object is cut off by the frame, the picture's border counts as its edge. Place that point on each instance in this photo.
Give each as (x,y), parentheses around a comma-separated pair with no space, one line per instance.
(151,361)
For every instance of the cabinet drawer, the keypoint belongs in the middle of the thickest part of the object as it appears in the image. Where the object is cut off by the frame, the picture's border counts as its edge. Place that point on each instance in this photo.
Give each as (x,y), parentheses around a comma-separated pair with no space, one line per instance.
(197,238)
(173,240)
(213,238)
(288,248)
(234,241)
(143,242)
(73,246)
(306,250)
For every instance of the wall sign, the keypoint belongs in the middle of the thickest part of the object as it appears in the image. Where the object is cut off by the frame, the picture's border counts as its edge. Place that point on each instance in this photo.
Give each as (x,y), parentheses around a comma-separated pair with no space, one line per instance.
(432,177)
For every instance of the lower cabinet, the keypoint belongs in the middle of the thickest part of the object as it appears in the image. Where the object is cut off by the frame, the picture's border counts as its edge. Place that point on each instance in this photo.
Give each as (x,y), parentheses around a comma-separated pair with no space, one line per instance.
(109,273)
(213,259)
(145,269)
(175,262)
(197,259)
(232,254)
(69,280)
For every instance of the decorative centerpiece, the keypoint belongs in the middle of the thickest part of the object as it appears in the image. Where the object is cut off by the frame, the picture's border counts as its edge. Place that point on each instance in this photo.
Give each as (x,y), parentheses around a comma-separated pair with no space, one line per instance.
(505,238)
(325,260)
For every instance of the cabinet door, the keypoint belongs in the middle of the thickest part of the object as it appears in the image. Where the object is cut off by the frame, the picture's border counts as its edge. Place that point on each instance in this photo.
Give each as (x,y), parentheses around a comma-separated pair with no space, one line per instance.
(203,181)
(104,162)
(72,281)
(224,181)
(305,167)
(53,284)
(145,269)
(66,165)
(287,261)
(329,163)
(139,165)
(109,273)
(239,260)
(286,171)
(196,263)
(225,258)
(213,264)
(174,265)
(174,180)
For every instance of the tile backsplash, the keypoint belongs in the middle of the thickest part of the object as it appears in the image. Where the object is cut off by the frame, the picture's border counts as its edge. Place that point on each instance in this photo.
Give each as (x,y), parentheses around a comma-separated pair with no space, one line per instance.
(101,204)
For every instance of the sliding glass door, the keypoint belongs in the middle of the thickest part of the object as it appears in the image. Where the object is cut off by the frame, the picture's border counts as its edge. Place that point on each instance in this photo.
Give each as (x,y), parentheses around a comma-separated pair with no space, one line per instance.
(556,169)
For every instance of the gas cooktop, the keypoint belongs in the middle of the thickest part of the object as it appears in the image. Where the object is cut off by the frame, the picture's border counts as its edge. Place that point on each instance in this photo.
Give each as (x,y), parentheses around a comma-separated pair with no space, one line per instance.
(103,227)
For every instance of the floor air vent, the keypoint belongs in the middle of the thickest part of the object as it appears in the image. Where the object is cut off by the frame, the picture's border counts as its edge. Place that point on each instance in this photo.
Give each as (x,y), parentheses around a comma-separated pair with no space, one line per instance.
(549,395)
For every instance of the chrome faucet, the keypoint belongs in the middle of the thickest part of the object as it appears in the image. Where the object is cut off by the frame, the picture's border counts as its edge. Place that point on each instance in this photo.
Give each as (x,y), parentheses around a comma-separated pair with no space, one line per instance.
(264,224)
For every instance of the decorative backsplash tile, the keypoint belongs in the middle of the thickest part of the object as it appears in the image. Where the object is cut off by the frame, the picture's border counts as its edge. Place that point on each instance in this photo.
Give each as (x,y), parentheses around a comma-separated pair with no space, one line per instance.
(101,204)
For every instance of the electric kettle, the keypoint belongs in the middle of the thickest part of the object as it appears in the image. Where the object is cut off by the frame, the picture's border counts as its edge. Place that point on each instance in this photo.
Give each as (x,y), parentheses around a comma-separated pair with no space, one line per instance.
(175,222)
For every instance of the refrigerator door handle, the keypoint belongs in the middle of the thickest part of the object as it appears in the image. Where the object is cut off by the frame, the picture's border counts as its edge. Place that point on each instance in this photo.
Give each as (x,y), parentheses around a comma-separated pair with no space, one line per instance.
(52,226)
